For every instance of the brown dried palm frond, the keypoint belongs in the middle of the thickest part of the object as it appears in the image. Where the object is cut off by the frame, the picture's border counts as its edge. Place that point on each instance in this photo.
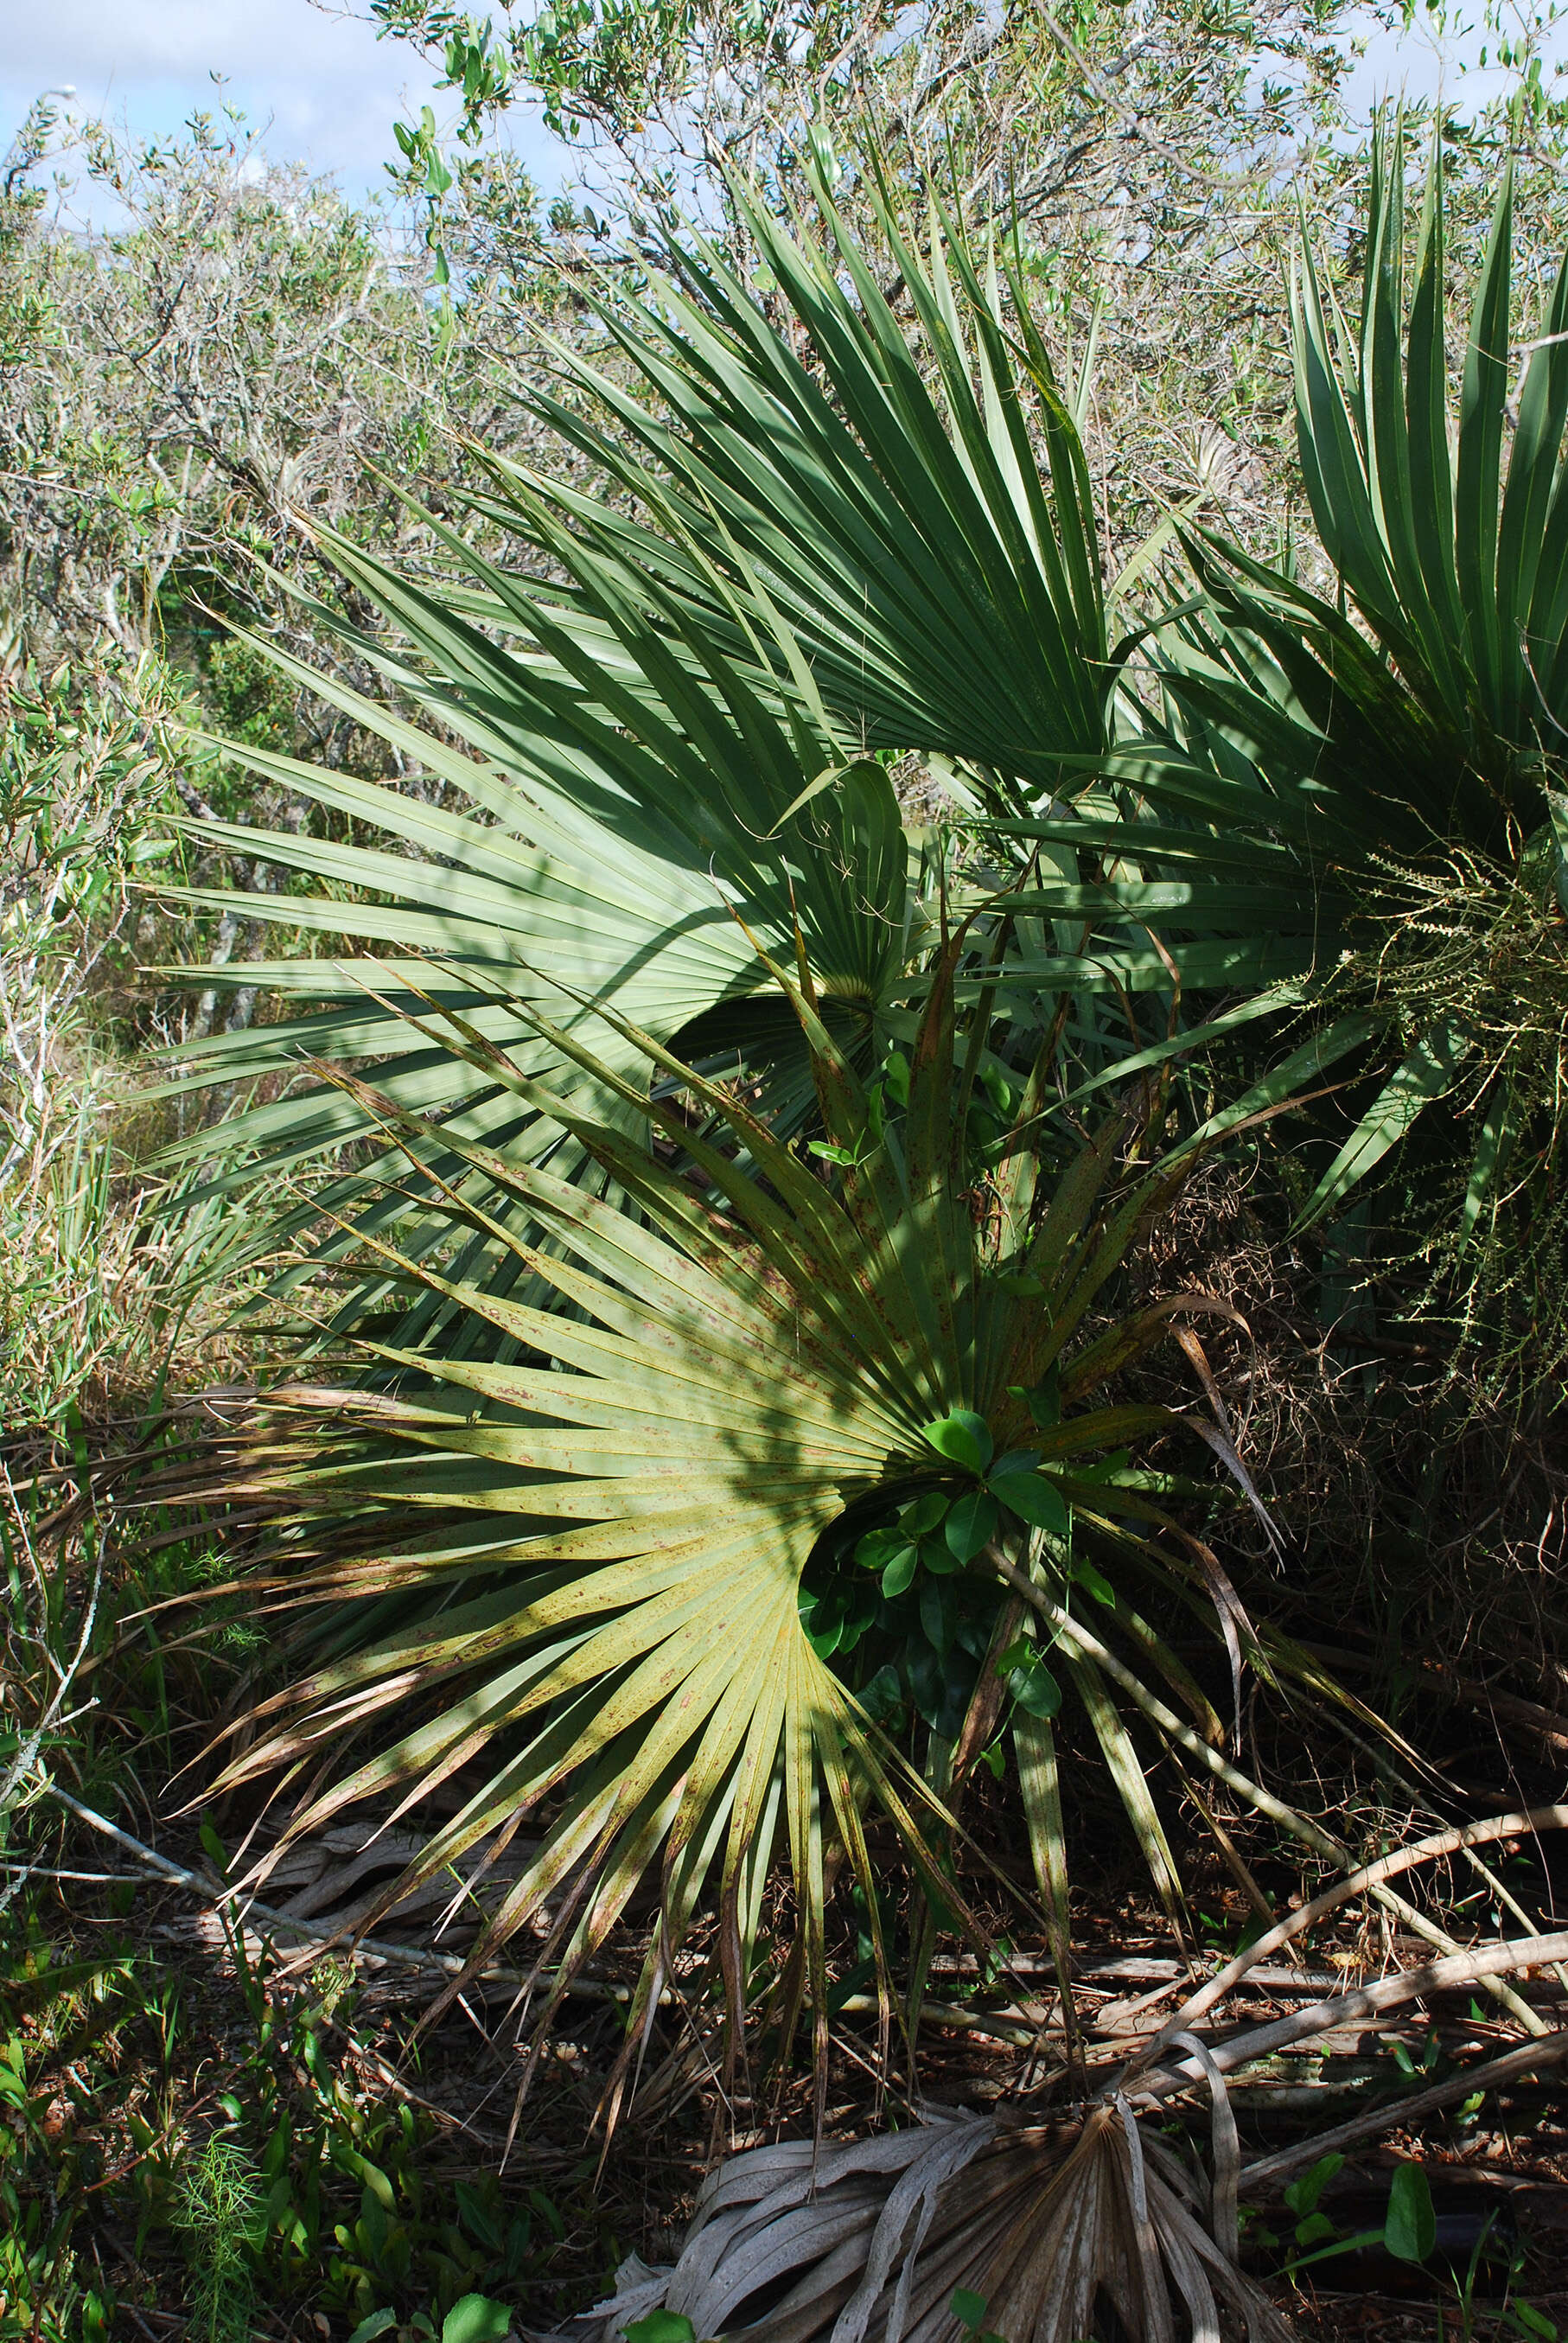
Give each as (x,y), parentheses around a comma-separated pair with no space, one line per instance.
(1044,2233)
(1049,2226)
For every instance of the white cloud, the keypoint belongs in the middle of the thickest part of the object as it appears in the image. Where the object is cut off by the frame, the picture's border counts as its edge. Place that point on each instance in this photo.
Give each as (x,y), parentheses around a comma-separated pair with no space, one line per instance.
(328,89)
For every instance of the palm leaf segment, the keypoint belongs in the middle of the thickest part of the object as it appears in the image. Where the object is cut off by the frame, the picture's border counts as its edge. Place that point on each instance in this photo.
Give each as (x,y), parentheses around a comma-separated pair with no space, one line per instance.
(629,1613)
(1399,770)
(630,767)
(886,499)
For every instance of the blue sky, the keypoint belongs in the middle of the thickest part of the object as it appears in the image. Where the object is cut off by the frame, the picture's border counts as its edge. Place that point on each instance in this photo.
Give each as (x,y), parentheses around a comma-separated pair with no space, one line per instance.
(328,87)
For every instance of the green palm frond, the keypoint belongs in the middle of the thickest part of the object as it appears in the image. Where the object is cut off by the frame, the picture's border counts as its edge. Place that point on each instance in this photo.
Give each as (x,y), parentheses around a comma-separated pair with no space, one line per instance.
(1379,778)
(622,842)
(663,1581)
(916,508)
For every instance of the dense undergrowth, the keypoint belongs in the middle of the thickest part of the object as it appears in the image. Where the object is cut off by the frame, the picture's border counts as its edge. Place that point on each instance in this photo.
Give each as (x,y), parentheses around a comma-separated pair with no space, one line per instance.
(781,1200)
(161,2064)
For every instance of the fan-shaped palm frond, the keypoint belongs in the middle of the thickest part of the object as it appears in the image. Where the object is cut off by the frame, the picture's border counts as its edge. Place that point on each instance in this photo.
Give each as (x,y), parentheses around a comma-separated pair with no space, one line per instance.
(916,508)
(620,842)
(763,1475)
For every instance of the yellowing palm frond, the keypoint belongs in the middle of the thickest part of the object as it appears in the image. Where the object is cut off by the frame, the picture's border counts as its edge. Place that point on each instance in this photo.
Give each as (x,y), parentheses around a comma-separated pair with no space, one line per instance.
(652,1578)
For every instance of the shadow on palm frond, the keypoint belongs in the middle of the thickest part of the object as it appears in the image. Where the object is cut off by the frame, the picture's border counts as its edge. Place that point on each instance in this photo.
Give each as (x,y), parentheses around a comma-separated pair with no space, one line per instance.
(809,1493)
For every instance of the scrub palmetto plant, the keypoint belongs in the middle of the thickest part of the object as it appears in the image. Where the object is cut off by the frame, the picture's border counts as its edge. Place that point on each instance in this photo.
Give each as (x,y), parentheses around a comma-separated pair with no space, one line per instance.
(687,718)
(1396,756)
(810,1488)
(631,1358)
(731,1459)
(693,1497)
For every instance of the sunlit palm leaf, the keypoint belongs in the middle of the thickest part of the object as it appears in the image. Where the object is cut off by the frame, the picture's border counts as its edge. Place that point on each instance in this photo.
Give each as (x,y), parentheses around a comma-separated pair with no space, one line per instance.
(888,500)
(642,1549)
(612,845)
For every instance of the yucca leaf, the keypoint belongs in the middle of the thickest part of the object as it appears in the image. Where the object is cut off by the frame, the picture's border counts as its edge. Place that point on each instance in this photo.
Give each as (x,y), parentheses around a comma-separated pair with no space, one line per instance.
(1482,414)
(1426,412)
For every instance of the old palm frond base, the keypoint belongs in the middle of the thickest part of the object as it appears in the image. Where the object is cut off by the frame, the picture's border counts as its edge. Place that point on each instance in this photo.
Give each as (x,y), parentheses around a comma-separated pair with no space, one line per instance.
(959,2227)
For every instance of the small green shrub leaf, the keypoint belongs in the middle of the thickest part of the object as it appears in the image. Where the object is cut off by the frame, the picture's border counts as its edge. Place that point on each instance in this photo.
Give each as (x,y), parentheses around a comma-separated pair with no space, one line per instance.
(1095,1582)
(661,2327)
(1035,1689)
(475,2319)
(939,1616)
(1045,1401)
(878,1547)
(899,1572)
(1302,2195)
(1035,1500)
(963,1438)
(1410,2232)
(970,1525)
(1017,1460)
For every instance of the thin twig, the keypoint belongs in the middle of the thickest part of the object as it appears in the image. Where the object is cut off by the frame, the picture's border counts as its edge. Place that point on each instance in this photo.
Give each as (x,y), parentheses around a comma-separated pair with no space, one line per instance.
(216,1898)
(1547,2051)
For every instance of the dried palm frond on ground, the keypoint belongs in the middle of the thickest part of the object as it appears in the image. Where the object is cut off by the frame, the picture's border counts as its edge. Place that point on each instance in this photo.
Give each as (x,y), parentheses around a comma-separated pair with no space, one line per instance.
(1045,2228)
(464,2082)
(869,2243)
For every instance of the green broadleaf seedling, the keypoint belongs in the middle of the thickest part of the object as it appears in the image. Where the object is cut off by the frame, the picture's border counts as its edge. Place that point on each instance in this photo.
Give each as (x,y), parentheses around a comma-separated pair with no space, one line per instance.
(1410,2230)
(964,1439)
(661,2327)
